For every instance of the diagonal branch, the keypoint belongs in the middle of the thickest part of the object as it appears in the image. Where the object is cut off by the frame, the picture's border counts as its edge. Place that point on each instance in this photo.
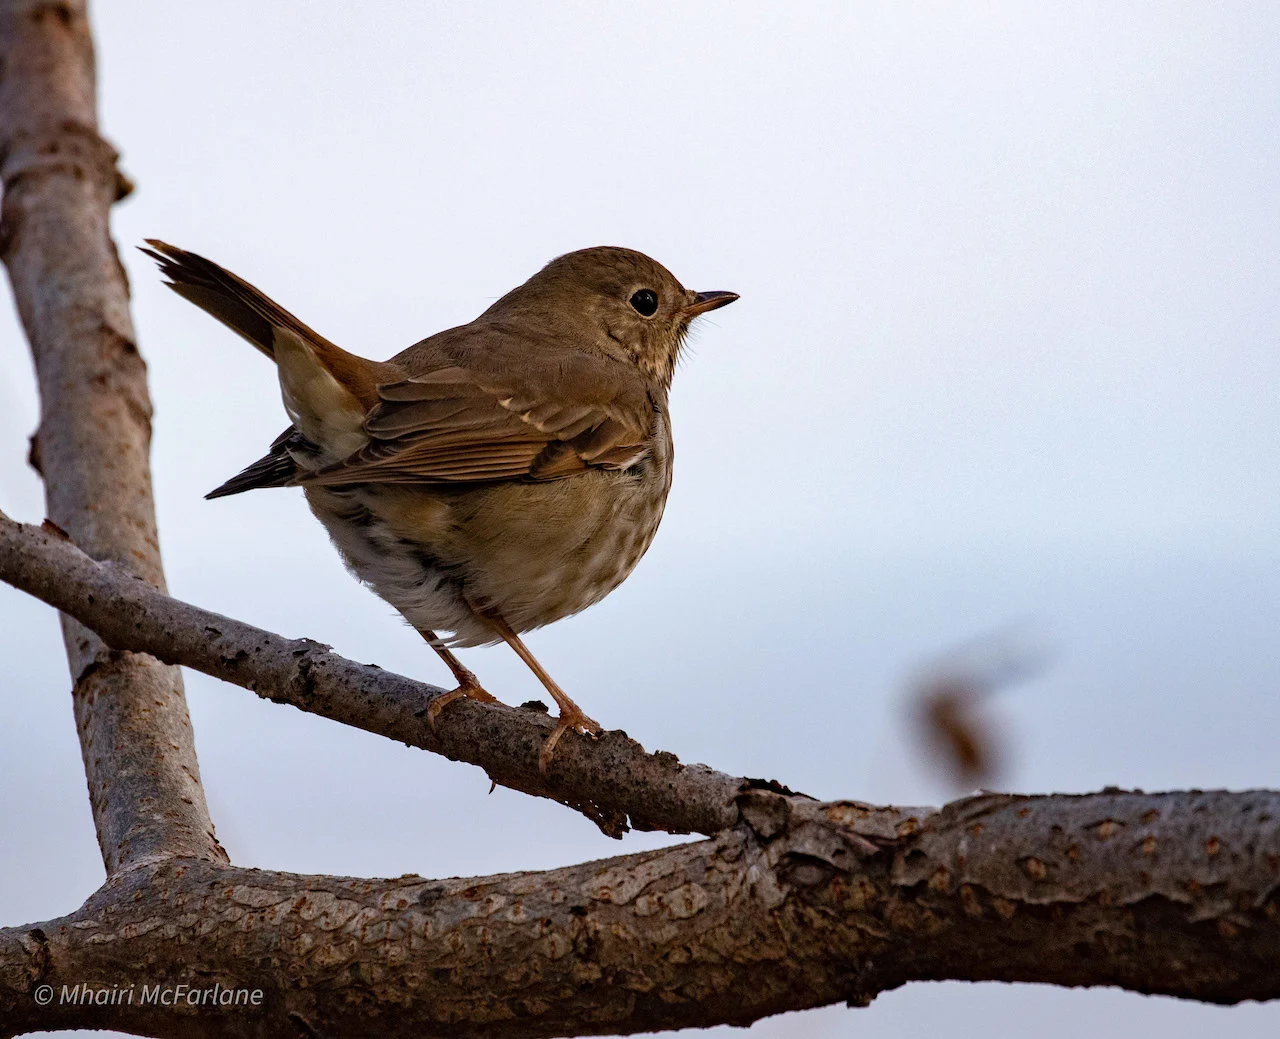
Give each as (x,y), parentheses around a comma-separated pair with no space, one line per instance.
(92,447)
(802,905)
(611,780)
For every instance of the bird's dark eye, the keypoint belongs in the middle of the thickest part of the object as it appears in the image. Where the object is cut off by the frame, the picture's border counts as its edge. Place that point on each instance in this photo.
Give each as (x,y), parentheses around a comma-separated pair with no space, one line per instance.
(646,302)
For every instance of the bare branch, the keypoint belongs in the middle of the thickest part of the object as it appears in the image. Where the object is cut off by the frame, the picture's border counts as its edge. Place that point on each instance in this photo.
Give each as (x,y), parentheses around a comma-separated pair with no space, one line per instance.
(610,780)
(804,904)
(60,180)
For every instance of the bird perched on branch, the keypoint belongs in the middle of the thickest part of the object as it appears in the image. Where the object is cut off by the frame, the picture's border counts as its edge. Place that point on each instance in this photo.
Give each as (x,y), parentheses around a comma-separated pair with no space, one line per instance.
(494,477)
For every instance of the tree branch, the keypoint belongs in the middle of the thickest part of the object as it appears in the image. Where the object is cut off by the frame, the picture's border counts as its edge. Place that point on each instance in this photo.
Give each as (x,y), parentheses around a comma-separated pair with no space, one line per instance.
(92,446)
(804,904)
(611,780)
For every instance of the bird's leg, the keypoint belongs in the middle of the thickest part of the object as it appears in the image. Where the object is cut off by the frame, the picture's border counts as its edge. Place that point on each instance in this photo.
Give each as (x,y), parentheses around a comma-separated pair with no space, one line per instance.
(571,716)
(468,685)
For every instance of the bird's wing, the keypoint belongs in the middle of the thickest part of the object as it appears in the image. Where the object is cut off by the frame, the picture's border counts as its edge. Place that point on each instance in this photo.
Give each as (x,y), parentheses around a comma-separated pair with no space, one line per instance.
(561,414)
(277,468)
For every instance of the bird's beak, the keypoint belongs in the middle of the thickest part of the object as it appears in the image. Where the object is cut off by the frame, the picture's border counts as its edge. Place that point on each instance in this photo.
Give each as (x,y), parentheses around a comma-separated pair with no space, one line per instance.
(705,301)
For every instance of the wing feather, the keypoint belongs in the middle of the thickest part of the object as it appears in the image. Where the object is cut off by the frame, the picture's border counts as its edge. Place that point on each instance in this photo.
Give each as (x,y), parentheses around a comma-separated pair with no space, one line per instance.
(468,422)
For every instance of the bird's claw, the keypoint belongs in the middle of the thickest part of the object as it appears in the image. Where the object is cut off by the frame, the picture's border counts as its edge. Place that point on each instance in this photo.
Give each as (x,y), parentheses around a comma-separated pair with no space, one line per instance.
(573,720)
(472,690)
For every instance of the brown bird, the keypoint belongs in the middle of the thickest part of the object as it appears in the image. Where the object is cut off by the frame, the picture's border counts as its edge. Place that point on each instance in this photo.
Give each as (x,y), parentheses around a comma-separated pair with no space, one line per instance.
(494,477)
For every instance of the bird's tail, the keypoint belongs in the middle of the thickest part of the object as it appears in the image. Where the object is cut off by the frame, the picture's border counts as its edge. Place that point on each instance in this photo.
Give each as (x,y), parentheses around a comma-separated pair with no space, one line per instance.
(327,391)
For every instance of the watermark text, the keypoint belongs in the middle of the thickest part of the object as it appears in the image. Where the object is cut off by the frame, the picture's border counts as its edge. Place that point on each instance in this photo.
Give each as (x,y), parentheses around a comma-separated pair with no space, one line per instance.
(86,994)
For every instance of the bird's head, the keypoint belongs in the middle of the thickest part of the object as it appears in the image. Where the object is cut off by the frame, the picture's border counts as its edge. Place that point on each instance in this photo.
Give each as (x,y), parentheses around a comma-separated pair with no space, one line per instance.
(616,300)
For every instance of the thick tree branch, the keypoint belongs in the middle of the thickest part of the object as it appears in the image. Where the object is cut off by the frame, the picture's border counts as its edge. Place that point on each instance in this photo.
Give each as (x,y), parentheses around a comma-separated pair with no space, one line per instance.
(60,180)
(611,780)
(802,905)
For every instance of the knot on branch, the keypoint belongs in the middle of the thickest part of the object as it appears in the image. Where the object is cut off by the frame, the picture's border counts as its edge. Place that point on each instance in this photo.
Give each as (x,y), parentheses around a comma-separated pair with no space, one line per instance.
(75,150)
(765,806)
(73,147)
(309,656)
(809,842)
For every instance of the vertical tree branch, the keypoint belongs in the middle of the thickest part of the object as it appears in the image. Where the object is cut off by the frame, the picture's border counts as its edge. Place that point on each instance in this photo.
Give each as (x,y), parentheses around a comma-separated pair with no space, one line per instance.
(92,446)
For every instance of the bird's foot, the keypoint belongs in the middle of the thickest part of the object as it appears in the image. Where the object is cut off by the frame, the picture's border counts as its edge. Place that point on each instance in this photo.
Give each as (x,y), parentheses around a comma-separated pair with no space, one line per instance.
(467,687)
(571,718)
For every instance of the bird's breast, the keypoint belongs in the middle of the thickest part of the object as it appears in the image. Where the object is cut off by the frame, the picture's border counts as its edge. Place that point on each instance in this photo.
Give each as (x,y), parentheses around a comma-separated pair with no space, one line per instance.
(533,552)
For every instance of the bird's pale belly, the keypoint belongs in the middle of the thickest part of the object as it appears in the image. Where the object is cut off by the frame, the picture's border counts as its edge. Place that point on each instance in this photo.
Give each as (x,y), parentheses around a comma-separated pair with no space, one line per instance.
(531,552)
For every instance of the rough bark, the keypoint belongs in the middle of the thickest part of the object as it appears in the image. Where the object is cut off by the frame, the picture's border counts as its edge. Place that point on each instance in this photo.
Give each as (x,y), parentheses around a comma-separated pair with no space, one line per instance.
(803,904)
(611,780)
(60,179)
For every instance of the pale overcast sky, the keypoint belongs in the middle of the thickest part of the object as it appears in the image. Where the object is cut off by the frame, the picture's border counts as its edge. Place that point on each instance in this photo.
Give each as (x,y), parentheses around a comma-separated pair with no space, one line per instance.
(1006,358)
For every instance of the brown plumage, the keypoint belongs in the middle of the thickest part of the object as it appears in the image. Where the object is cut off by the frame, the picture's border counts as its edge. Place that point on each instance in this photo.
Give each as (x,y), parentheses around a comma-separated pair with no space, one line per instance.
(494,477)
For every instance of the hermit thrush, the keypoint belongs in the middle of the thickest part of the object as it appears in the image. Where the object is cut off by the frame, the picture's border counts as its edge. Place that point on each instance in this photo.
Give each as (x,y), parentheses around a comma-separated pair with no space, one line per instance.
(496,476)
